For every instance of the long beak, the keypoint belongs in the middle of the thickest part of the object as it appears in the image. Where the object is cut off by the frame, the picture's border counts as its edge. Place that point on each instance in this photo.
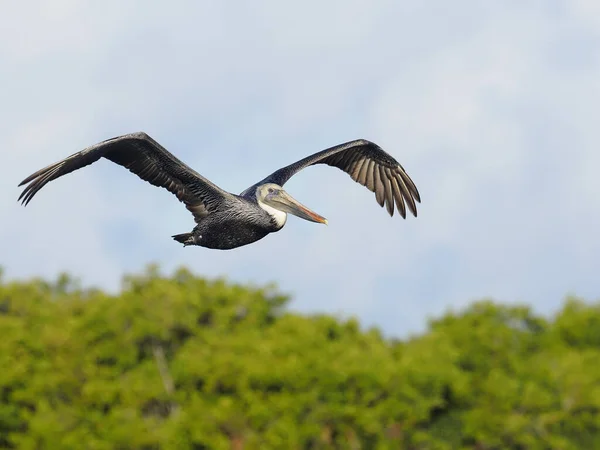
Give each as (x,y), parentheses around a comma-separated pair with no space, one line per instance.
(284,202)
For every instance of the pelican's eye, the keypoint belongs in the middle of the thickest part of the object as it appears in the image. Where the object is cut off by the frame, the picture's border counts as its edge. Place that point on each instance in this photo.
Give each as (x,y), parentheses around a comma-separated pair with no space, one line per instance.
(271,190)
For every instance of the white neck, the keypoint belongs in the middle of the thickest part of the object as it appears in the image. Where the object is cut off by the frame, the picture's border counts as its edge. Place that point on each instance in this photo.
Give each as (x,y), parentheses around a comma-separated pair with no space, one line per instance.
(279,216)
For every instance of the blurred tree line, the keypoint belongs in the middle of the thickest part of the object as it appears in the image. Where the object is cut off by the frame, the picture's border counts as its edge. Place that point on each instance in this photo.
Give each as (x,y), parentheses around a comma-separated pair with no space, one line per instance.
(180,362)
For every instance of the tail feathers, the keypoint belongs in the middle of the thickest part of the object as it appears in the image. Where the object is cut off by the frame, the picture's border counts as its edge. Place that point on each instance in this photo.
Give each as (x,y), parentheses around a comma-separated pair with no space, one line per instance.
(185,238)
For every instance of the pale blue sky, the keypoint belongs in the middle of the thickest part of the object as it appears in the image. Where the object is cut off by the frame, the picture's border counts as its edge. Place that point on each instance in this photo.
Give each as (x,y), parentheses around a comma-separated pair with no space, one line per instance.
(491,107)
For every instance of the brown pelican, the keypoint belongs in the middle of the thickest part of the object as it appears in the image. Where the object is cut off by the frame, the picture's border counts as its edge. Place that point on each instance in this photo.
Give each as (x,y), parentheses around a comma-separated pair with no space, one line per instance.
(224,220)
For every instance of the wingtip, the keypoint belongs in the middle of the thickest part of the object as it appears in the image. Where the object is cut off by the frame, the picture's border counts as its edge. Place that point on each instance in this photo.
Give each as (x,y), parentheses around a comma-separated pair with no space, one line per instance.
(24,199)
(27,180)
(21,198)
(405,215)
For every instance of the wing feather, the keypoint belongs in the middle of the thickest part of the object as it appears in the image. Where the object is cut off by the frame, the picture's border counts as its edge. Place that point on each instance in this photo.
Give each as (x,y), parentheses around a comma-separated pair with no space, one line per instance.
(406,193)
(362,178)
(379,194)
(146,158)
(370,176)
(356,168)
(389,196)
(398,195)
(367,164)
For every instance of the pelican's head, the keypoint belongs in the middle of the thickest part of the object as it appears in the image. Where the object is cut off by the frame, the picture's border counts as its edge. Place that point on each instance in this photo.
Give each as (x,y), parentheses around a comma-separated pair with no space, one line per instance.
(272,196)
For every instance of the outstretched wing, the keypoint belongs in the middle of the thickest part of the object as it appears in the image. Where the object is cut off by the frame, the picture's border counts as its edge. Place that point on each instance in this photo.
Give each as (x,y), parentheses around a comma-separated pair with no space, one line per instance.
(368,165)
(146,158)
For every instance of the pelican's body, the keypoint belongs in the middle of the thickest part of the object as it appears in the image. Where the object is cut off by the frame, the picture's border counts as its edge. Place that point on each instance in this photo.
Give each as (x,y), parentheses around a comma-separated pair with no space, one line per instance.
(242,222)
(224,220)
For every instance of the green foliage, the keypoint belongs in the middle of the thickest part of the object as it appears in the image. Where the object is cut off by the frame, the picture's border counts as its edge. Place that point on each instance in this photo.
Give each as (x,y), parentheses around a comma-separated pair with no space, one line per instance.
(184,363)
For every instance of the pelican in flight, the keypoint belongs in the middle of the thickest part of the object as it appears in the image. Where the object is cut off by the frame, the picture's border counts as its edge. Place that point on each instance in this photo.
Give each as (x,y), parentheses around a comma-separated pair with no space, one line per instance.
(224,220)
